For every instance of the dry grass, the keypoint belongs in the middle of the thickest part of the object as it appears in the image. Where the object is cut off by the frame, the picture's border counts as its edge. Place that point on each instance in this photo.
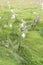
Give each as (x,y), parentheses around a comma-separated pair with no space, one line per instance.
(21,1)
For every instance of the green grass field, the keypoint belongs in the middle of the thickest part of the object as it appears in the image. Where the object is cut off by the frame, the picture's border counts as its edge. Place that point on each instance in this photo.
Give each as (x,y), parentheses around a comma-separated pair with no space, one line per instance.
(14,48)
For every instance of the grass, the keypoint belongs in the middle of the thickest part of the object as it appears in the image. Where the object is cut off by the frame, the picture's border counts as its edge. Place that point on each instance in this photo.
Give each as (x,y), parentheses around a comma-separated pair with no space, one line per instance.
(27,51)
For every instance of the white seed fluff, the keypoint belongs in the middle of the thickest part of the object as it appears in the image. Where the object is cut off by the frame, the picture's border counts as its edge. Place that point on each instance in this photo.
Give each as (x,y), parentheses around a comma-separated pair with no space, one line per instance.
(34,12)
(42,6)
(12,11)
(5,26)
(23,35)
(13,16)
(21,25)
(10,25)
